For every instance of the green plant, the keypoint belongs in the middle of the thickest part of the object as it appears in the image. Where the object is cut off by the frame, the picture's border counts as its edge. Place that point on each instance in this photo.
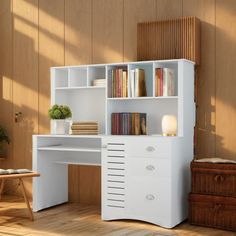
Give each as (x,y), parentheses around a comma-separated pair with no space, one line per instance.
(4,136)
(59,112)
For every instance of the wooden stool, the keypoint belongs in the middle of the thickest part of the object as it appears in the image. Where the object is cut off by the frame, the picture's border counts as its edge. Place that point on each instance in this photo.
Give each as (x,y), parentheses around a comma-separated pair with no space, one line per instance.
(20,177)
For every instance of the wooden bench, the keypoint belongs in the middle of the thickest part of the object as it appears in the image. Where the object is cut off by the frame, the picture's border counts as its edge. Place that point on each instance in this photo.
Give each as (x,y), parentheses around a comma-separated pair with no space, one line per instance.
(21,183)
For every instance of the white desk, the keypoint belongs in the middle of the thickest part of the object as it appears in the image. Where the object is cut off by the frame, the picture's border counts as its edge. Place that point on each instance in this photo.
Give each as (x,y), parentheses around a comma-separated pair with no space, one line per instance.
(51,156)
(143,177)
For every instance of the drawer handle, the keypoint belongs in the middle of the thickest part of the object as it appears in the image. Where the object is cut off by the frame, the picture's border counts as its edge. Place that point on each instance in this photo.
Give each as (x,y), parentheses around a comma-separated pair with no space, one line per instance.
(150,167)
(219,178)
(150,149)
(150,197)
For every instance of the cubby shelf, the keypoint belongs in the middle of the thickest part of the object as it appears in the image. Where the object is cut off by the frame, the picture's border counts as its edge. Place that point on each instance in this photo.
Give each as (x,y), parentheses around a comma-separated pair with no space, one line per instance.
(72,86)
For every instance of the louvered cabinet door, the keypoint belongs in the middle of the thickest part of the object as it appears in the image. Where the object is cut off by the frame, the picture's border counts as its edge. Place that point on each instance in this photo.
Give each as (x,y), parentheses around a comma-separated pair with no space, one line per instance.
(113,178)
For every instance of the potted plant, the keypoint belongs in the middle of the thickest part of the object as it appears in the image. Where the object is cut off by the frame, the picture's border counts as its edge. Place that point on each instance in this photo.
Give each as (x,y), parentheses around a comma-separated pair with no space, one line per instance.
(3,140)
(58,114)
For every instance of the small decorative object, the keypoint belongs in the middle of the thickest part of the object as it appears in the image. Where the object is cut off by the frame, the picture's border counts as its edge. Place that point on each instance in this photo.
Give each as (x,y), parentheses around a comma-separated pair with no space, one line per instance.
(169,125)
(58,114)
(3,139)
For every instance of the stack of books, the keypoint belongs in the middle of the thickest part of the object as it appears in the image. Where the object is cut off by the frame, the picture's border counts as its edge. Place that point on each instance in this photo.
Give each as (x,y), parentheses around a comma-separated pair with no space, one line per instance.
(99,82)
(119,83)
(128,123)
(164,82)
(84,128)
(137,86)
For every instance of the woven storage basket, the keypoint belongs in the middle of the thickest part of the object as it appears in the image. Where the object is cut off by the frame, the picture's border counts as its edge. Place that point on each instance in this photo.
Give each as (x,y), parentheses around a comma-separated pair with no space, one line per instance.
(214,179)
(213,211)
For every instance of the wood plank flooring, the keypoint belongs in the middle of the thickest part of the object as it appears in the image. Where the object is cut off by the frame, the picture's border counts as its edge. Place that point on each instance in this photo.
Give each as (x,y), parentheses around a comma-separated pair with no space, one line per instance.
(77,219)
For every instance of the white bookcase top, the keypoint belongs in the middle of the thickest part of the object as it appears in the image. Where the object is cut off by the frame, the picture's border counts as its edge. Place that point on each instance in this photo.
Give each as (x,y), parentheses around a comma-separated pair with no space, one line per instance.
(73,86)
(123,63)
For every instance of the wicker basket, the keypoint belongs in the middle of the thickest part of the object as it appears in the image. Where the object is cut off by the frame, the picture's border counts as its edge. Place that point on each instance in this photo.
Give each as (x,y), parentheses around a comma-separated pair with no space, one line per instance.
(214,179)
(213,211)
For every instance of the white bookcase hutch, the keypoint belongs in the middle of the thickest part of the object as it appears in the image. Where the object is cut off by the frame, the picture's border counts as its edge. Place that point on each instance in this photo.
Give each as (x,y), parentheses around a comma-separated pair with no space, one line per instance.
(144,177)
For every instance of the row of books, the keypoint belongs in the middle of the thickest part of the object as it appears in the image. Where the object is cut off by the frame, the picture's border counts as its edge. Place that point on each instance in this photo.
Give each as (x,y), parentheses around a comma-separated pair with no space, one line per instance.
(84,128)
(119,83)
(164,82)
(121,87)
(128,123)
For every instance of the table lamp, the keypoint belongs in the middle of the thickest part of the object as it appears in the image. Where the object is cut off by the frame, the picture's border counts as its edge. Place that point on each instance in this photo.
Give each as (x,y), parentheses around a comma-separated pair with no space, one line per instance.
(169,125)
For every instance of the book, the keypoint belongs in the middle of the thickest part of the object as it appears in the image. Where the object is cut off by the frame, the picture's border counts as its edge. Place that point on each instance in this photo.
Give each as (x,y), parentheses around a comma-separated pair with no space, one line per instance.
(168,82)
(124,83)
(137,124)
(14,171)
(158,81)
(84,132)
(85,123)
(84,127)
(132,76)
(143,123)
(139,83)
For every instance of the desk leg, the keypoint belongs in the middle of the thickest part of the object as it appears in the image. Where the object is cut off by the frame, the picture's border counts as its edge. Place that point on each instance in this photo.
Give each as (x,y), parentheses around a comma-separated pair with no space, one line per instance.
(51,188)
(1,188)
(26,199)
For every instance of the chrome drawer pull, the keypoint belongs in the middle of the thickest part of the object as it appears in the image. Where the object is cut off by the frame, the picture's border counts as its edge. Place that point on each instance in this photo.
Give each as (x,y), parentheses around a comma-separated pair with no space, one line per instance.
(150,167)
(150,149)
(150,197)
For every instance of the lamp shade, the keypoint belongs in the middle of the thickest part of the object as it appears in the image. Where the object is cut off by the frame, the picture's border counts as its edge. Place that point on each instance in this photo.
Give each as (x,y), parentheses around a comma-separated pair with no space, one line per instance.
(169,125)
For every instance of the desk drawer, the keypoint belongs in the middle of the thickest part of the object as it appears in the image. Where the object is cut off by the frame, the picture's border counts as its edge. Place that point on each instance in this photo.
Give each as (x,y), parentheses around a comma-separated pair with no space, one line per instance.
(148,167)
(157,148)
(149,199)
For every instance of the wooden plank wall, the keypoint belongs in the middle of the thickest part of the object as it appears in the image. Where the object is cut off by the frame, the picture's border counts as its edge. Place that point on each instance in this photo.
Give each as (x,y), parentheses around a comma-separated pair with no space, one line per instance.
(36,34)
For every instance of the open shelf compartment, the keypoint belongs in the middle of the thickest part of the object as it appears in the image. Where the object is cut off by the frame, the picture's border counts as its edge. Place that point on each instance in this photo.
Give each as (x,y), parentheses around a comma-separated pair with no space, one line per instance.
(85,105)
(96,72)
(154,108)
(61,77)
(78,77)
(110,71)
(167,76)
(148,75)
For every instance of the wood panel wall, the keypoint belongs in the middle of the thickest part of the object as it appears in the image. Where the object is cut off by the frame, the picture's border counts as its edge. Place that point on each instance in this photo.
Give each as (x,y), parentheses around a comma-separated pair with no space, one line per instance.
(37,34)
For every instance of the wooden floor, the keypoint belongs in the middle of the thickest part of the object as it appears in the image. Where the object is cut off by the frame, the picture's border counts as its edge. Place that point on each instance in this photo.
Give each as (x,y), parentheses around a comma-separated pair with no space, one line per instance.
(75,219)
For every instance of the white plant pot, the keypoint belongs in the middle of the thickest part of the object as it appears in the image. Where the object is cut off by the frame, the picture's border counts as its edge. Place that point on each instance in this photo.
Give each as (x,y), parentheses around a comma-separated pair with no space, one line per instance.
(58,127)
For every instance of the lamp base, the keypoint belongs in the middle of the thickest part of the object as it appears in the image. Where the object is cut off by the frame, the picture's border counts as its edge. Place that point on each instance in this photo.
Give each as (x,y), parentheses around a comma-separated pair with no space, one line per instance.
(172,135)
